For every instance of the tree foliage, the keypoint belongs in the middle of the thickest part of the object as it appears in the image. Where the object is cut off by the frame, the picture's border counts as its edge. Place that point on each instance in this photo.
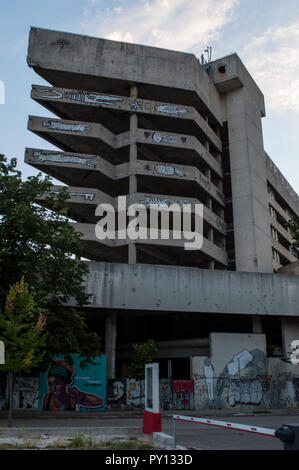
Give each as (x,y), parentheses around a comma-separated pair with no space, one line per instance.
(143,354)
(22,330)
(38,242)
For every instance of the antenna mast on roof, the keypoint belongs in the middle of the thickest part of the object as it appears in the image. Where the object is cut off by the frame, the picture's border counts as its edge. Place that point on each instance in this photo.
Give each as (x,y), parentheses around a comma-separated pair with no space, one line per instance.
(208,52)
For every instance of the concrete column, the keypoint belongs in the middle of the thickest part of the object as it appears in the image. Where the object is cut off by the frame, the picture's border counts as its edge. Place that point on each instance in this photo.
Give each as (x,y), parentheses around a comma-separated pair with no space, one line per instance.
(211,264)
(110,343)
(132,256)
(257,327)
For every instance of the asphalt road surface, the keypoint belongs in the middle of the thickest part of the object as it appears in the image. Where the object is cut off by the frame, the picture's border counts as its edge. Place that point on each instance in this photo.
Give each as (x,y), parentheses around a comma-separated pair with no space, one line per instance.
(190,435)
(205,437)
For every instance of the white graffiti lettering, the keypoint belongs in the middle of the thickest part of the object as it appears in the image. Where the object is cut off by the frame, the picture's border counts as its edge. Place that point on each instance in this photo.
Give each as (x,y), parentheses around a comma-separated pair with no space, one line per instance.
(171,109)
(62,126)
(168,170)
(63,158)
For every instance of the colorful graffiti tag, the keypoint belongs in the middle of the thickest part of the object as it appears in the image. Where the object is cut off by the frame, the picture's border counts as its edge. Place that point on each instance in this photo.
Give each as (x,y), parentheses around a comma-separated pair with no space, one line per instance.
(183,394)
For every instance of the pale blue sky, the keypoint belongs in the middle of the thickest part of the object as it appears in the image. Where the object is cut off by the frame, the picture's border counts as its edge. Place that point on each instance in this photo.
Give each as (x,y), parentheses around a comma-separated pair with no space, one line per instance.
(264,33)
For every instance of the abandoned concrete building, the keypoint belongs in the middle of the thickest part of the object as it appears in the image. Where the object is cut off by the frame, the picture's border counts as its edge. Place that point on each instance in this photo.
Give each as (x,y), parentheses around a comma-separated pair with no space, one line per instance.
(160,127)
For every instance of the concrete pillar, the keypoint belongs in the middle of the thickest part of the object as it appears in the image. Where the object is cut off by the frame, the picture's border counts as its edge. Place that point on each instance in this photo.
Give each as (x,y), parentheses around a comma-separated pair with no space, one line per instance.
(212,264)
(257,327)
(110,343)
(132,256)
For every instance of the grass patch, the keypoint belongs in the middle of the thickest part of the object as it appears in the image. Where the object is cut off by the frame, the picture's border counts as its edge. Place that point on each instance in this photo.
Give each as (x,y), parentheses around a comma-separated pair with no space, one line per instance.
(81,442)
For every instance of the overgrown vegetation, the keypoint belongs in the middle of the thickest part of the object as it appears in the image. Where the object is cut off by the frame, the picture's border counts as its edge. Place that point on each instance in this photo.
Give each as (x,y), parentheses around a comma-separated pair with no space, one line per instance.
(38,242)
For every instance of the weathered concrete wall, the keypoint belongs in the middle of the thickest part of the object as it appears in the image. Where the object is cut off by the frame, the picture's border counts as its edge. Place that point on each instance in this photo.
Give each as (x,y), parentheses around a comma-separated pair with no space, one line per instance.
(253,244)
(280,183)
(239,374)
(169,288)
(95,57)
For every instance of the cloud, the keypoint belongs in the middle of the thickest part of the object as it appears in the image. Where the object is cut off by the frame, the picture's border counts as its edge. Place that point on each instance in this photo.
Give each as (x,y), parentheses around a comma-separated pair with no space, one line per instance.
(172,24)
(272,59)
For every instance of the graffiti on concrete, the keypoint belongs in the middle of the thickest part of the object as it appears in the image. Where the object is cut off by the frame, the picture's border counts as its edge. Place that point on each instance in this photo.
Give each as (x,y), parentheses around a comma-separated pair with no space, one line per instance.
(135,392)
(25,394)
(64,126)
(82,97)
(244,365)
(171,109)
(136,105)
(163,138)
(245,391)
(168,170)
(164,393)
(86,196)
(156,201)
(209,375)
(116,393)
(40,157)
(183,394)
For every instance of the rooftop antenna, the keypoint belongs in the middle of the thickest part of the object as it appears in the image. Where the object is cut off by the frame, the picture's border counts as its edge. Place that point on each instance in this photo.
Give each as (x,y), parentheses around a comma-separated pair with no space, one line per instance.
(208,52)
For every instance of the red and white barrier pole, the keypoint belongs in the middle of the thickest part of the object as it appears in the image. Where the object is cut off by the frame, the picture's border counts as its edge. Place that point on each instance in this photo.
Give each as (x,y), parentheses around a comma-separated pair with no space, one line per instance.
(223,424)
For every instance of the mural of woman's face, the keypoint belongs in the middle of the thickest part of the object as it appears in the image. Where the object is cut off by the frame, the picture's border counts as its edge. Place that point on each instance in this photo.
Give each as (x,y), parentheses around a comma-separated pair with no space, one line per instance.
(56,385)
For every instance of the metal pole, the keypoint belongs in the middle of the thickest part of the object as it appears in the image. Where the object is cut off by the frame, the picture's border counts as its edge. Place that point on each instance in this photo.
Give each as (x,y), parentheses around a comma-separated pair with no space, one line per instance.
(174,434)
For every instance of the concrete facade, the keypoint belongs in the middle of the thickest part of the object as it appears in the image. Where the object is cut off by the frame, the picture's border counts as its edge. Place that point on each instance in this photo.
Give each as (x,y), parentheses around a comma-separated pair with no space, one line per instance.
(158,127)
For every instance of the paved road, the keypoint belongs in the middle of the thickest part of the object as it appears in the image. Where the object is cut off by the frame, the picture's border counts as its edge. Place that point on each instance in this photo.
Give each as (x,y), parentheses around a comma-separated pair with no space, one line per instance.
(189,435)
(200,436)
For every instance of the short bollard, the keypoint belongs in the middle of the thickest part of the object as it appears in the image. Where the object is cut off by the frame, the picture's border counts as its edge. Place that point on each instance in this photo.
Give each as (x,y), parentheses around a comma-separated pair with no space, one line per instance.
(289,435)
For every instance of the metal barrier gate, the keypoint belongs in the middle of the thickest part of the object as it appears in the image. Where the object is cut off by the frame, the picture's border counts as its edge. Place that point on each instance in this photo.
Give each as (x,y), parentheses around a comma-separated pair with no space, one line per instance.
(288,434)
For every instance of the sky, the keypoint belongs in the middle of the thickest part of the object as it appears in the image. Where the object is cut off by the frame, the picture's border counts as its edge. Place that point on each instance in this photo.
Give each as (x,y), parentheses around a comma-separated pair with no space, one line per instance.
(264,33)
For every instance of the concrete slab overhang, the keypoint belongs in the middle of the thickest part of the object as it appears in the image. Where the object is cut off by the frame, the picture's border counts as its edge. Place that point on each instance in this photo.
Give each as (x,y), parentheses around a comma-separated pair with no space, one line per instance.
(156,176)
(90,137)
(65,59)
(172,288)
(82,105)
(94,247)
(83,202)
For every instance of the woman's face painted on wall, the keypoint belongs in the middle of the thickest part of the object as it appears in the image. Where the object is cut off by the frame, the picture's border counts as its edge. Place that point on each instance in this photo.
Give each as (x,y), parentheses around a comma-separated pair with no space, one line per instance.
(56,385)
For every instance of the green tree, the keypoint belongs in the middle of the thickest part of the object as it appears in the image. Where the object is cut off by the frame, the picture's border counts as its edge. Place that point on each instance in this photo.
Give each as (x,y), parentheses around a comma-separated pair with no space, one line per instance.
(38,242)
(143,354)
(22,329)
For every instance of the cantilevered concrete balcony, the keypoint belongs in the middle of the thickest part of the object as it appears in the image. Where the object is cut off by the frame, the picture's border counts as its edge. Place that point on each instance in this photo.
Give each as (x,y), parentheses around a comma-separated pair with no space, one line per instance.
(112,110)
(98,173)
(89,137)
(171,251)
(83,201)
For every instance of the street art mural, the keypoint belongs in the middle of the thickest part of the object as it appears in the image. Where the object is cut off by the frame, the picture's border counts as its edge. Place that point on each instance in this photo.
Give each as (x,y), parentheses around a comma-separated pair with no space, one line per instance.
(26,394)
(249,379)
(135,392)
(165,394)
(116,393)
(66,386)
(183,394)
